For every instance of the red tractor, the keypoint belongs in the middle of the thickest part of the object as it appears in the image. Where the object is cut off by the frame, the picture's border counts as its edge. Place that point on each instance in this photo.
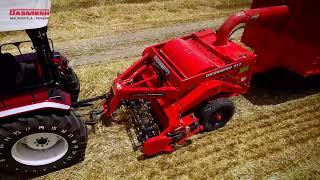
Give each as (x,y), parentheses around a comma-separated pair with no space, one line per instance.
(39,133)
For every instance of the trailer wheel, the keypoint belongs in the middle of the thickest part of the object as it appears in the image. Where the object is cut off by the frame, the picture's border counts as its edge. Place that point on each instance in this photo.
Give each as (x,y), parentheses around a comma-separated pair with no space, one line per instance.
(40,144)
(216,114)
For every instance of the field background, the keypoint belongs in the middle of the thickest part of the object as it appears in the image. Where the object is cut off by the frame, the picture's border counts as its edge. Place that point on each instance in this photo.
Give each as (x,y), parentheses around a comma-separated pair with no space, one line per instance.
(80,19)
(275,133)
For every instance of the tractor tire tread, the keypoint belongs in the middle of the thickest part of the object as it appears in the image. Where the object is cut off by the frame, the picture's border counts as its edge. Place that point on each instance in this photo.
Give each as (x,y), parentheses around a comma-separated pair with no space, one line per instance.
(64,125)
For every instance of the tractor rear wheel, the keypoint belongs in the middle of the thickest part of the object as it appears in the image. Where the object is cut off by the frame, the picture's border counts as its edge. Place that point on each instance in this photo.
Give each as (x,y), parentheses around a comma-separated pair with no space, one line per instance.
(216,114)
(40,144)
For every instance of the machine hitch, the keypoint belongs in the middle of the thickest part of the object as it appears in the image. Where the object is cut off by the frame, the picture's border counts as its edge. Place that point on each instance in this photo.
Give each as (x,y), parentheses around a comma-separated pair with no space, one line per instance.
(94,115)
(88,102)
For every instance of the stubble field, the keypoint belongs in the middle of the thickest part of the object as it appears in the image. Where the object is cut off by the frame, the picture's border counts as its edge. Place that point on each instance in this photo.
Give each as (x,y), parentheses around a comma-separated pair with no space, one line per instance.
(274,134)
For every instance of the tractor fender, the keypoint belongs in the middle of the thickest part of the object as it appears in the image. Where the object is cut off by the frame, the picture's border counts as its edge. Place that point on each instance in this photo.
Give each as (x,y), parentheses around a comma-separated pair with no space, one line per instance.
(50,105)
(44,99)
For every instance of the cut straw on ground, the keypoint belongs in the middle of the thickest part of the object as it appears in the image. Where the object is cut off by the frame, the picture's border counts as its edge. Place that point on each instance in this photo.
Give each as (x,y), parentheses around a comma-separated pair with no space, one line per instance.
(262,141)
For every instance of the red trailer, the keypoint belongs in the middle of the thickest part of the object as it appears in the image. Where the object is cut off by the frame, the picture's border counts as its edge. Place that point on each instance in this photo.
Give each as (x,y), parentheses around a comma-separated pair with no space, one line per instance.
(293,44)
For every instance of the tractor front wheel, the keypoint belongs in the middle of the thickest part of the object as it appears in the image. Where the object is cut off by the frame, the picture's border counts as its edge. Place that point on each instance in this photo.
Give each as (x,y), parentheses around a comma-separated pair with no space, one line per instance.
(216,114)
(71,84)
(40,144)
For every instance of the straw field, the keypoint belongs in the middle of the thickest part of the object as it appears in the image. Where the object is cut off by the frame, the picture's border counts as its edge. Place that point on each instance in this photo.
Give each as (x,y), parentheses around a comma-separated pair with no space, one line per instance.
(81,19)
(275,133)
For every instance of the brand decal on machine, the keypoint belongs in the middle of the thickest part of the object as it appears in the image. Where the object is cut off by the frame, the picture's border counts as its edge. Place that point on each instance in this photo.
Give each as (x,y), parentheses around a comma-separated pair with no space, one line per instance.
(160,65)
(148,94)
(29,14)
(223,70)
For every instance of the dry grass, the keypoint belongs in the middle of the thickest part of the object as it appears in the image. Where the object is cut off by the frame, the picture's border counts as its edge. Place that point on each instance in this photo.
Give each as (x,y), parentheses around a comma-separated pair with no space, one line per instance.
(262,141)
(95,78)
(75,19)
(278,141)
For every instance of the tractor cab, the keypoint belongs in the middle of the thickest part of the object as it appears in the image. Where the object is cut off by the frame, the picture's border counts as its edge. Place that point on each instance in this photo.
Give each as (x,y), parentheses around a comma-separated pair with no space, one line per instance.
(28,66)
(21,68)
(25,64)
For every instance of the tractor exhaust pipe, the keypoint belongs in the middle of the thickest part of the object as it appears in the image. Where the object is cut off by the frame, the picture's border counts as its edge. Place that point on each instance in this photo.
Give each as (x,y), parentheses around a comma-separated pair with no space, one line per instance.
(274,14)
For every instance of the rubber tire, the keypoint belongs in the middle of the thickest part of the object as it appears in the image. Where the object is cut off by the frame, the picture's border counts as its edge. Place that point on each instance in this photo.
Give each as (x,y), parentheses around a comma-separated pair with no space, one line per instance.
(223,106)
(71,84)
(75,88)
(26,126)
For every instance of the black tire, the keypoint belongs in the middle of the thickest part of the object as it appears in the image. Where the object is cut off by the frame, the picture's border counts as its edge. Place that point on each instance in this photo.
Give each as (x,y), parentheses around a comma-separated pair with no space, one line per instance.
(75,87)
(216,114)
(71,84)
(69,127)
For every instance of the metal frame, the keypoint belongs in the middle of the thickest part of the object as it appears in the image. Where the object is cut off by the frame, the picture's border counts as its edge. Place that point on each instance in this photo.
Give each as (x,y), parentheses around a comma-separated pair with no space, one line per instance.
(174,91)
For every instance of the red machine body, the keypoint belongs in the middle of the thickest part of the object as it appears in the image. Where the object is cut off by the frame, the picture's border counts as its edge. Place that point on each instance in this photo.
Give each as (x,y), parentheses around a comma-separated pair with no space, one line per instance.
(42,98)
(176,77)
(293,44)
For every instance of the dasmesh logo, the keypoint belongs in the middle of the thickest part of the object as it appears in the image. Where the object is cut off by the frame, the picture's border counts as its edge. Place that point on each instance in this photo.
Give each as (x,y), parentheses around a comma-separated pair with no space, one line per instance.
(29,12)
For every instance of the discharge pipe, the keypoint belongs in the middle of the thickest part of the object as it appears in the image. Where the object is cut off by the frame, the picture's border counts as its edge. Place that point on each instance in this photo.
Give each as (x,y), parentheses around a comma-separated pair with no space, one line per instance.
(271,14)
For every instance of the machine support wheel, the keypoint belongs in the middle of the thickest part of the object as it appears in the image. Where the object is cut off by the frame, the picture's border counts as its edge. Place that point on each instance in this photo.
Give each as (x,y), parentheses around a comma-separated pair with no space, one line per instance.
(216,114)
(37,145)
